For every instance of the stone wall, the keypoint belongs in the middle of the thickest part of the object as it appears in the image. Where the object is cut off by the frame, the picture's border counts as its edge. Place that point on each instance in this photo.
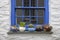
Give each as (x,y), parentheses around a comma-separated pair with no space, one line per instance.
(54,20)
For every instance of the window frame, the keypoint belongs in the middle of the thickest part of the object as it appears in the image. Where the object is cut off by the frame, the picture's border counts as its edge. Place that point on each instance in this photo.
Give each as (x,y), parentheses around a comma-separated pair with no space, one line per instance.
(13,14)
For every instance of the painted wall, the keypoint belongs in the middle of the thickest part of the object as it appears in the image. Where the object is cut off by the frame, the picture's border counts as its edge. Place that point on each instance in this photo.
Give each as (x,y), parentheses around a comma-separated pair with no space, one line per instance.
(54,19)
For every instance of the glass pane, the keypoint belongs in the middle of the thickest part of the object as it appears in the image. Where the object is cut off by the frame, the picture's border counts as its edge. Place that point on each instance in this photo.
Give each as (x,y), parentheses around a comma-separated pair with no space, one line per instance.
(26,12)
(40,12)
(18,2)
(33,2)
(27,20)
(19,20)
(19,12)
(41,3)
(26,2)
(33,20)
(40,20)
(33,12)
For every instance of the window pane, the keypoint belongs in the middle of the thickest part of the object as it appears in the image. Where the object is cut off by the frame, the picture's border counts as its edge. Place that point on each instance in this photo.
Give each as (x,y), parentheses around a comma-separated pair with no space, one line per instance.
(40,20)
(19,20)
(33,2)
(33,20)
(26,12)
(19,12)
(33,12)
(40,12)
(27,20)
(18,2)
(26,2)
(41,3)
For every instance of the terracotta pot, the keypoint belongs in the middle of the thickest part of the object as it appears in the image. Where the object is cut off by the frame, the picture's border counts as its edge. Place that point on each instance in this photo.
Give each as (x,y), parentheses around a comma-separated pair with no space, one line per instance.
(47,28)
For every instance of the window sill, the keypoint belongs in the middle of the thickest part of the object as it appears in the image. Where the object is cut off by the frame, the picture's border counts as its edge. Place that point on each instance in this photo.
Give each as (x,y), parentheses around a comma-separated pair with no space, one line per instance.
(10,32)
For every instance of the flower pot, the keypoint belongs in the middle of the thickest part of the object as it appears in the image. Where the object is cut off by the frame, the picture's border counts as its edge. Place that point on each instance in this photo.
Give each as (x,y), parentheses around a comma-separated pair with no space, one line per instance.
(14,29)
(21,29)
(31,29)
(39,28)
(47,28)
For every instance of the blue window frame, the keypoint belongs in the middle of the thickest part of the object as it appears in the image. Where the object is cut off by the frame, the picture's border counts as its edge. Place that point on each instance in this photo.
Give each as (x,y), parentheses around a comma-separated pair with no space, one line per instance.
(37,10)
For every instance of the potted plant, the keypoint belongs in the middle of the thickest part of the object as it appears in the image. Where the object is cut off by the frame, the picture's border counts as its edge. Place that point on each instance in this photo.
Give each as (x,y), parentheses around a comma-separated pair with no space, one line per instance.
(47,28)
(22,26)
(31,27)
(39,28)
(14,29)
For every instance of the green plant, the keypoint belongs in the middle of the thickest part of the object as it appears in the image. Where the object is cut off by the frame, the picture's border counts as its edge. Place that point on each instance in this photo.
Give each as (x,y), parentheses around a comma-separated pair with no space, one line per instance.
(31,25)
(22,24)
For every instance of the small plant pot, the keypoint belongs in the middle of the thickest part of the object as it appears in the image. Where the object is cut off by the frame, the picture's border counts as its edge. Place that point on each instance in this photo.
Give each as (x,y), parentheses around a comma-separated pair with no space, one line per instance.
(31,29)
(39,28)
(21,29)
(47,28)
(13,29)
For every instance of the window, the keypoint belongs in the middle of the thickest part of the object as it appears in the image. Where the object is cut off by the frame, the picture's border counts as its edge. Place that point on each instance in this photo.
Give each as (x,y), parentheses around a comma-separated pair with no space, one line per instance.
(29,11)
(26,3)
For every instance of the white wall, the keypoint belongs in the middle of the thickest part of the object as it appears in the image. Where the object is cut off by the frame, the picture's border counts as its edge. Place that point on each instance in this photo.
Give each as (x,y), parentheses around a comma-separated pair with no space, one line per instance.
(54,19)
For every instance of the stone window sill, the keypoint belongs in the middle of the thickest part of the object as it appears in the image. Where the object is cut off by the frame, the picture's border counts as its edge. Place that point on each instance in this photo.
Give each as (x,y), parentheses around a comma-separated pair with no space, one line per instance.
(10,32)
